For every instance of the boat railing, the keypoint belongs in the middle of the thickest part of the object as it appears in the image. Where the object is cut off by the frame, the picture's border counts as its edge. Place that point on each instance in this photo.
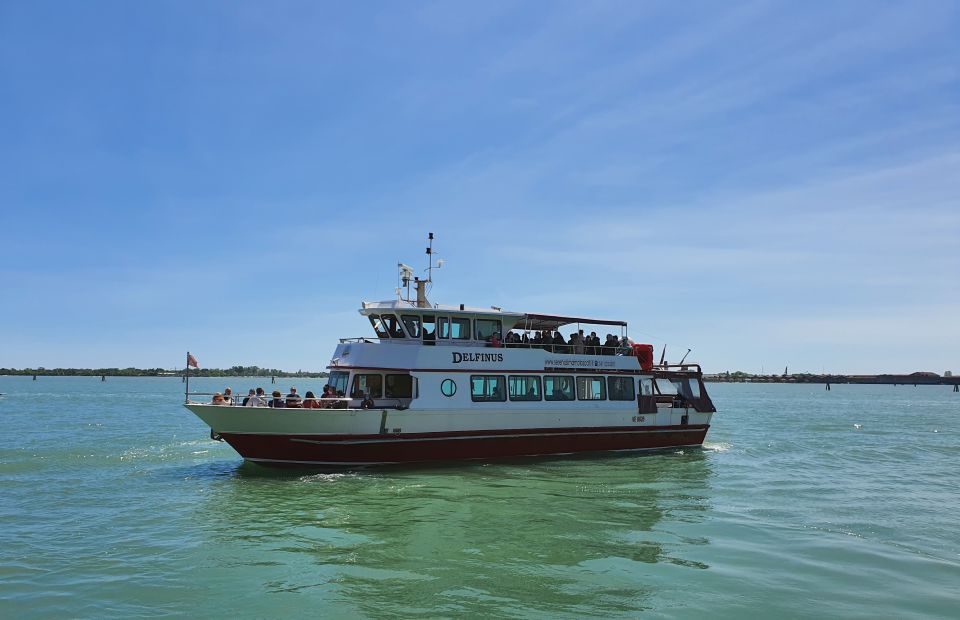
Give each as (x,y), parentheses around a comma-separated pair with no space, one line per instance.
(566,349)
(237,401)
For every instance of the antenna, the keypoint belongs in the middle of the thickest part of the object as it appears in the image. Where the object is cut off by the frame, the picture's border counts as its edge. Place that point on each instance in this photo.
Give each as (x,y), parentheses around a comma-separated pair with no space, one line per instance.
(430,254)
(685,356)
(664,354)
(406,273)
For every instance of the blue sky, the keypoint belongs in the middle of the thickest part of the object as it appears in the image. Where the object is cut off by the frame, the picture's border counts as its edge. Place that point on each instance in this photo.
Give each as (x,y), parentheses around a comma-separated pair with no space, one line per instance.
(768,183)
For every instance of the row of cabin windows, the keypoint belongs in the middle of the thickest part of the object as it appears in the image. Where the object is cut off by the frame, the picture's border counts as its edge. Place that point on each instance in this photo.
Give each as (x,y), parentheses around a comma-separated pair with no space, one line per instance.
(496,388)
(429,327)
(382,386)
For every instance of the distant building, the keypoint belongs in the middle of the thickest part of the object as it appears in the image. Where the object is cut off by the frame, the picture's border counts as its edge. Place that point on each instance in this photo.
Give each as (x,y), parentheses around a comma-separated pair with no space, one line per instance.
(947,373)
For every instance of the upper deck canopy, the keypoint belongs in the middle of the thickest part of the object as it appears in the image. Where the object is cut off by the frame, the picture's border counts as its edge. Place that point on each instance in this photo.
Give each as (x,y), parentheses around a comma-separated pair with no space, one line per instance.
(552,322)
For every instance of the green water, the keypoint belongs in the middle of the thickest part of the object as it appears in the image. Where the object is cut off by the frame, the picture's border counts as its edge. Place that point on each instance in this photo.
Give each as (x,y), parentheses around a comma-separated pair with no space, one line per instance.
(114,503)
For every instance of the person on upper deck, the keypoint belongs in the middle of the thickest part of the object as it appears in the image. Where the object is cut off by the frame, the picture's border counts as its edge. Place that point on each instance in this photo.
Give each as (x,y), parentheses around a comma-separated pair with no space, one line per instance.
(310,401)
(246,399)
(277,400)
(227,396)
(537,341)
(293,399)
(218,399)
(559,344)
(609,345)
(577,341)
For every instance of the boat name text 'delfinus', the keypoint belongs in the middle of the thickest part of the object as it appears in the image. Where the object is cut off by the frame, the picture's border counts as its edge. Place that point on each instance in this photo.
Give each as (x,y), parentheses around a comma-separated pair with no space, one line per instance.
(459,358)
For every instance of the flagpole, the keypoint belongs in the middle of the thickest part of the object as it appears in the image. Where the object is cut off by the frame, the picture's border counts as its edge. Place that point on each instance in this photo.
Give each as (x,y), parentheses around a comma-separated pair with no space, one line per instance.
(186,394)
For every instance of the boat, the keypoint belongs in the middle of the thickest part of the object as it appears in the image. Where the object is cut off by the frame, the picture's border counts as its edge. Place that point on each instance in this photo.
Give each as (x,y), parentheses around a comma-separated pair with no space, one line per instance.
(438,383)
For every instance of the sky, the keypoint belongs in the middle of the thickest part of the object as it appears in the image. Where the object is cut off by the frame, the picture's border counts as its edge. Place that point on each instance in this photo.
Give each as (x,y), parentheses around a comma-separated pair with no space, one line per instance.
(771,184)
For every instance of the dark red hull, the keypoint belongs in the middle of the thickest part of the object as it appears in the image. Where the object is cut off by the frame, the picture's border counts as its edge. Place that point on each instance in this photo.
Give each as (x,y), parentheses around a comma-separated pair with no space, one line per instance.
(348,450)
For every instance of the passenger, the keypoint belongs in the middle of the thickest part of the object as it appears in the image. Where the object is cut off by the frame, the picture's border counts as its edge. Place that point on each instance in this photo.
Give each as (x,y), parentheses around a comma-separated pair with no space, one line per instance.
(218,399)
(537,341)
(293,399)
(594,343)
(227,396)
(525,339)
(310,401)
(277,400)
(495,340)
(559,344)
(258,400)
(578,344)
(246,399)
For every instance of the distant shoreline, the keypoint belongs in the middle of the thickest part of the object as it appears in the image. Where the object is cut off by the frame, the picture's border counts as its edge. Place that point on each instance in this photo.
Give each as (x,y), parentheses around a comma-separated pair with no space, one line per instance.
(915,378)
(236,371)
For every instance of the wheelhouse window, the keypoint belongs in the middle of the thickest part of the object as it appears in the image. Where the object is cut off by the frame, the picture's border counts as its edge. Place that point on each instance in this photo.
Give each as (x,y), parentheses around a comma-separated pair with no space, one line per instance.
(688,388)
(393,325)
(413,325)
(367,386)
(486,328)
(524,387)
(429,328)
(378,326)
(646,386)
(338,381)
(621,388)
(443,327)
(399,386)
(460,329)
(558,387)
(591,388)
(487,388)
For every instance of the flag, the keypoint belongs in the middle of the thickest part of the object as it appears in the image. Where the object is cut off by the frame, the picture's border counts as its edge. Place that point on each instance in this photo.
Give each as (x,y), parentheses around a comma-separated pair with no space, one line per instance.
(192,361)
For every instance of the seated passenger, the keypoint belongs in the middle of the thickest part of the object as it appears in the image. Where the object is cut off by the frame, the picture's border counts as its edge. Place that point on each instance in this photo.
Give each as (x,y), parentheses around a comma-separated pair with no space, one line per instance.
(293,399)
(310,401)
(495,340)
(258,400)
(227,396)
(277,400)
(218,399)
(246,399)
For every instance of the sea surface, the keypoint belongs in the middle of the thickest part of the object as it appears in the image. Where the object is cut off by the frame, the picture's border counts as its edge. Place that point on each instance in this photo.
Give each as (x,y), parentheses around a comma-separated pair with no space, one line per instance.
(114,503)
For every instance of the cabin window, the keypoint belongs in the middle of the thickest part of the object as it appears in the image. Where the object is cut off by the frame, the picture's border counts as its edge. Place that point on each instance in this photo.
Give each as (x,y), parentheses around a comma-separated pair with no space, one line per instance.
(448,387)
(558,388)
(524,387)
(429,328)
(338,381)
(398,386)
(664,386)
(487,388)
(591,388)
(621,388)
(443,327)
(367,386)
(688,388)
(393,325)
(413,325)
(646,386)
(486,328)
(378,326)
(460,329)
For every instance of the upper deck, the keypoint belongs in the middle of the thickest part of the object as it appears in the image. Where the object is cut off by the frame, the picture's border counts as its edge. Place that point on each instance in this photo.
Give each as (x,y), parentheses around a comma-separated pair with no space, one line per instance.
(409,323)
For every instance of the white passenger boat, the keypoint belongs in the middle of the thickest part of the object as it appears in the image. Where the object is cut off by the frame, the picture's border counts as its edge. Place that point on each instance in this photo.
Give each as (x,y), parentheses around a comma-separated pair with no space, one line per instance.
(447,383)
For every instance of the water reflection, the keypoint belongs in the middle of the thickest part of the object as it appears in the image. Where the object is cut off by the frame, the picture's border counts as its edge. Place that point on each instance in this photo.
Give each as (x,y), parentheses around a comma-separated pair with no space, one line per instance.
(566,537)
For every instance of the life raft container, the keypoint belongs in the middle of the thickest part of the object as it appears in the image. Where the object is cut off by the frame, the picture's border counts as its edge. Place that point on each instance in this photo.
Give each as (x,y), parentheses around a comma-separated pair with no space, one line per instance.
(644,354)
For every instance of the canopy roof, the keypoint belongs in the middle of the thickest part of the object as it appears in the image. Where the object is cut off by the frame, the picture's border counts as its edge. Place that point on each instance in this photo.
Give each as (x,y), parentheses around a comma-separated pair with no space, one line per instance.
(551,322)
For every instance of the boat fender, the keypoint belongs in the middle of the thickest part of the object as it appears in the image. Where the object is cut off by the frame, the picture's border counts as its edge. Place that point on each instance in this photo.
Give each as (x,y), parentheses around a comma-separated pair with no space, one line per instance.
(367,403)
(214,435)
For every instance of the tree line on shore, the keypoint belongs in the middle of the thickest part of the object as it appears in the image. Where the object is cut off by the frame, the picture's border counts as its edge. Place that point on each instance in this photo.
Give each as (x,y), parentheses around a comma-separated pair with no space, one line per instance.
(233,371)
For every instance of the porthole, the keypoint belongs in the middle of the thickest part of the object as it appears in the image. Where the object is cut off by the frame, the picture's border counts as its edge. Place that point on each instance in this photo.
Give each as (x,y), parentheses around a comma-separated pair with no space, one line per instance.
(448,387)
